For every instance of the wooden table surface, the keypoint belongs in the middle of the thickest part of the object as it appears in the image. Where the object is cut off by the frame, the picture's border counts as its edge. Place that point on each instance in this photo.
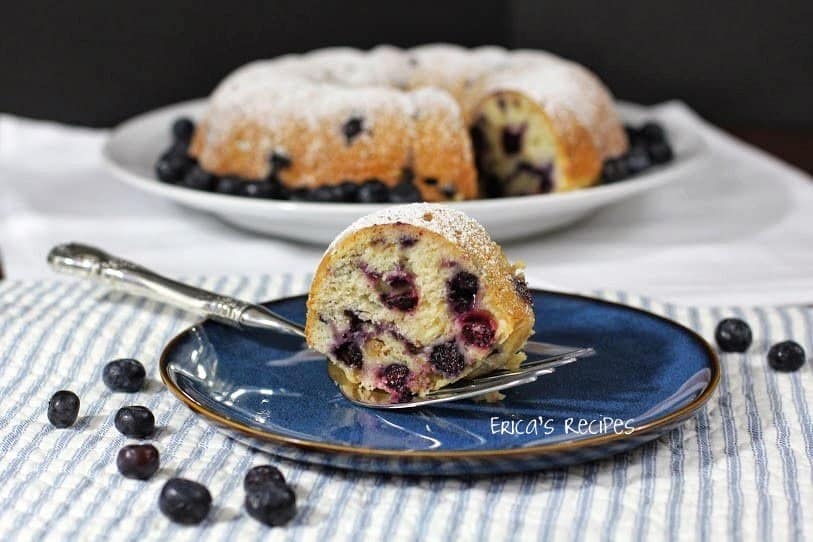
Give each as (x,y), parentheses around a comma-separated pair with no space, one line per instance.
(793,146)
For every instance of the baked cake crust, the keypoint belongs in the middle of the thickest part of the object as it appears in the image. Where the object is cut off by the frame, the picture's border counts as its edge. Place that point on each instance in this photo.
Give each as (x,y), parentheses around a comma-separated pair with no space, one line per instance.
(393,115)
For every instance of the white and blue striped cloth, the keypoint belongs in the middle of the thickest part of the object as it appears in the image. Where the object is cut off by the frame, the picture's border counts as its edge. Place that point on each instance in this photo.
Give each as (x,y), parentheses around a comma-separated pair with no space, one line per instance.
(742,468)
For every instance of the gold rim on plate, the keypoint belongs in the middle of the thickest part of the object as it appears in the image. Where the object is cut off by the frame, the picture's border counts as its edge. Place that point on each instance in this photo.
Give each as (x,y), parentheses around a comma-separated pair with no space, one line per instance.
(664,421)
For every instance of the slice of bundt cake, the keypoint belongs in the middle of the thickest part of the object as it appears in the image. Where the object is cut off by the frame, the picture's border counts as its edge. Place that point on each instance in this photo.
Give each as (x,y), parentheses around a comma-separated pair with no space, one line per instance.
(412,298)
(542,125)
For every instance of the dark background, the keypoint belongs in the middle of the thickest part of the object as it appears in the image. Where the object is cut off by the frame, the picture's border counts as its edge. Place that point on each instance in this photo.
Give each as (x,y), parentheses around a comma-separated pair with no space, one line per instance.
(745,66)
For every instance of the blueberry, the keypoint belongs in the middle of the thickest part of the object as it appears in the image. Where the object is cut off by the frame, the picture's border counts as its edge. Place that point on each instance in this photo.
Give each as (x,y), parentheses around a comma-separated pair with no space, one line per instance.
(614,170)
(260,476)
(786,356)
(512,139)
(337,192)
(407,241)
(405,192)
(447,359)
(257,189)
(492,186)
(325,194)
(229,185)
(637,160)
(350,354)
(373,191)
(171,168)
(178,148)
(522,290)
(402,301)
(478,329)
(279,162)
(300,194)
(184,501)
(462,289)
(63,409)
(135,421)
(733,335)
(660,152)
(279,191)
(124,375)
(198,179)
(652,132)
(182,129)
(272,504)
(396,376)
(401,293)
(273,188)
(355,321)
(349,191)
(542,172)
(138,461)
(352,128)
(634,136)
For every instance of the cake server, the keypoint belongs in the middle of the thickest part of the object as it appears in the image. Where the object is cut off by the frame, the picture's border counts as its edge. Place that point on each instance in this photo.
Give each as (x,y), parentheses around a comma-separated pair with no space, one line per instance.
(119,274)
(92,263)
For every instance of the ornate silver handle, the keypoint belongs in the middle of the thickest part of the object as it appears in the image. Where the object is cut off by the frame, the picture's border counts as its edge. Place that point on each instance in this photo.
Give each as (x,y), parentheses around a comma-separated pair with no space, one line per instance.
(90,262)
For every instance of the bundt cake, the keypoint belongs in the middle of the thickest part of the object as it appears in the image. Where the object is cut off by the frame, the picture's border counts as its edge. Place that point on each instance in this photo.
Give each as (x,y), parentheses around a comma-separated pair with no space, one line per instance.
(428,121)
(414,297)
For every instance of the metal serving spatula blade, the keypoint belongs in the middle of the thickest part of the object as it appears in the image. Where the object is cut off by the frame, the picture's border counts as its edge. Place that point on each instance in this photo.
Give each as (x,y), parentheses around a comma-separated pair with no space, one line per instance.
(89,262)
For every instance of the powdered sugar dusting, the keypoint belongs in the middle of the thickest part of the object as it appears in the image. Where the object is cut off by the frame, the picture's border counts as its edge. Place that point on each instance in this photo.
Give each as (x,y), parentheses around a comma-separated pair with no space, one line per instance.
(307,97)
(333,81)
(454,225)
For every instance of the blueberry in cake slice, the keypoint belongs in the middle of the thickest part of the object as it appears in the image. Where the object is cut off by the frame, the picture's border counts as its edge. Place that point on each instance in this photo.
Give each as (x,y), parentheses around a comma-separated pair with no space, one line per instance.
(415,297)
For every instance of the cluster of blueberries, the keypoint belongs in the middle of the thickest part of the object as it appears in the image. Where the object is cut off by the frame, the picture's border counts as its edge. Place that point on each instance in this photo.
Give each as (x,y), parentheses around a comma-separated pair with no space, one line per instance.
(175,166)
(477,327)
(268,499)
(649,147)
(734,335)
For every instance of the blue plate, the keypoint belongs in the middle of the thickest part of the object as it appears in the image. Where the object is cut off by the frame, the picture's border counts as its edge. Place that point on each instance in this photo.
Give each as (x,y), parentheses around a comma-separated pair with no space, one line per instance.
(649,375)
